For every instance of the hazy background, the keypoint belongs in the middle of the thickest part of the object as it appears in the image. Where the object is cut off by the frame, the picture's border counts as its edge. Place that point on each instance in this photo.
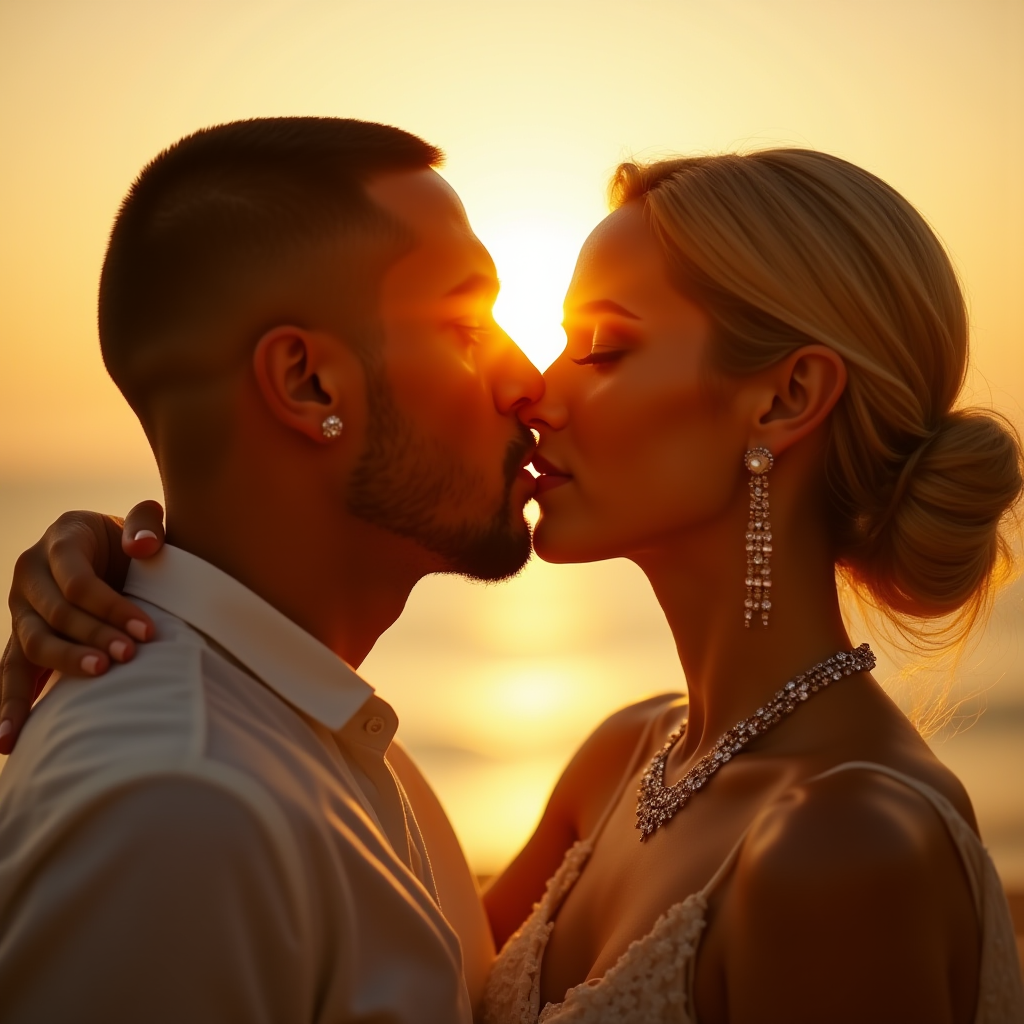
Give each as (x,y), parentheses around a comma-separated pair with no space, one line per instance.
(534,104)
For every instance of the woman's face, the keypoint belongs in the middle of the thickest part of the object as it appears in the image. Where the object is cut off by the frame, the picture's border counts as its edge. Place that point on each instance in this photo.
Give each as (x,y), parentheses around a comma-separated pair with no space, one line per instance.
(641,442)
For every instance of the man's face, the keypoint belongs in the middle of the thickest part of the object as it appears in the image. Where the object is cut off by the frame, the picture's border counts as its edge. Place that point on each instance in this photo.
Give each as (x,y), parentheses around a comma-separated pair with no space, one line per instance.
(445,451)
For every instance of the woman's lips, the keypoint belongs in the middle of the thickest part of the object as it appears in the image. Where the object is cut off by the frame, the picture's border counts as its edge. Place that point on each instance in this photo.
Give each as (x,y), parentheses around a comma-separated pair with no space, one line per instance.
(550,475)
(547,483)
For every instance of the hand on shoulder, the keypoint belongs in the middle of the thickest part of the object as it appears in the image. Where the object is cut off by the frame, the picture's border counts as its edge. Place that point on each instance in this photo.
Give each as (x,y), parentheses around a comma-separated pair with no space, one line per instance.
(67,614)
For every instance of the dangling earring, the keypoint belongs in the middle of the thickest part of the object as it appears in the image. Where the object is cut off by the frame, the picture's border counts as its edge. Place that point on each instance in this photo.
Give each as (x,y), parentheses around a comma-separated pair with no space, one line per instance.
(759,537)
(331,427)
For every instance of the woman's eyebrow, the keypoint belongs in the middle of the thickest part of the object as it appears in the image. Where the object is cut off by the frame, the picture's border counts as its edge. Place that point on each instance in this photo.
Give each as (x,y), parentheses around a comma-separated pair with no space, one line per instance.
(603,306)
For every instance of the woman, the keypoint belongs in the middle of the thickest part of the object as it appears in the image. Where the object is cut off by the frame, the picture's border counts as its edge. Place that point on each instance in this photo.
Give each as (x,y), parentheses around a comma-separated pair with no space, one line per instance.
(757,394)
(787,306)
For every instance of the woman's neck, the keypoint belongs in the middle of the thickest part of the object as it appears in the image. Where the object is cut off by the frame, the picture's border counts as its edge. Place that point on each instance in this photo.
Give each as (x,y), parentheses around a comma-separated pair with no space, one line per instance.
(730,669)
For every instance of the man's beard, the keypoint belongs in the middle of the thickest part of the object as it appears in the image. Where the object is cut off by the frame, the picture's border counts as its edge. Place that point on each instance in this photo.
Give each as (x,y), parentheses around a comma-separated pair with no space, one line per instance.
(401,480)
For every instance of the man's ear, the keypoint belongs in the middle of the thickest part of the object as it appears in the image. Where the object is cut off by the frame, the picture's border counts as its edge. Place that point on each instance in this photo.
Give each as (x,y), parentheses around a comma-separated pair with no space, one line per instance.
(304,377)
(797,395)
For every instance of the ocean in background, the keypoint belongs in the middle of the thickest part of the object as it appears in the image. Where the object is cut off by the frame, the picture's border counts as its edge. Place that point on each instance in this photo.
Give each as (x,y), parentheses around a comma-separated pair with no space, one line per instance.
(496,685)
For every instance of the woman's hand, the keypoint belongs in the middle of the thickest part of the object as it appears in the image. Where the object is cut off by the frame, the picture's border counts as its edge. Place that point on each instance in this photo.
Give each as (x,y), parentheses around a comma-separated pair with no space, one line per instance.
(66,609)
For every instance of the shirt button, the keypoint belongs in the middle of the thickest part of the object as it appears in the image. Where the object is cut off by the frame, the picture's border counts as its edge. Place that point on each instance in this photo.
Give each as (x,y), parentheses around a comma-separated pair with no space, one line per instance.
(374,725)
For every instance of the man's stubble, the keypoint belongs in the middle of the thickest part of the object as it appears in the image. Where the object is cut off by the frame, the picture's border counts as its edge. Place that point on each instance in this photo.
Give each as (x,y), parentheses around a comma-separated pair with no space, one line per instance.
(402,479)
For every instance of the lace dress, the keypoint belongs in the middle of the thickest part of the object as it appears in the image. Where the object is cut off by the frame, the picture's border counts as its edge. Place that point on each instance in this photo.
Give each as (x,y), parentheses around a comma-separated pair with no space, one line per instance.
(652,982)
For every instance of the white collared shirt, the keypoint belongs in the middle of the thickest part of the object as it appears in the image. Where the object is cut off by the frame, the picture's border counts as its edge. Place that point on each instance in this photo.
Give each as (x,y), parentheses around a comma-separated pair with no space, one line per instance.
(211,832)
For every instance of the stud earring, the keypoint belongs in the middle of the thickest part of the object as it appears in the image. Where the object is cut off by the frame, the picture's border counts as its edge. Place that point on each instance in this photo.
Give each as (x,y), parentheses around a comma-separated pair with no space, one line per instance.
(759,537)
(331,427)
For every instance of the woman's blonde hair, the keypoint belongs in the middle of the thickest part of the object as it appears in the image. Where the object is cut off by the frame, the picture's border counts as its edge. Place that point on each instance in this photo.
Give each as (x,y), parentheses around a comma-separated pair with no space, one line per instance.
(789,247)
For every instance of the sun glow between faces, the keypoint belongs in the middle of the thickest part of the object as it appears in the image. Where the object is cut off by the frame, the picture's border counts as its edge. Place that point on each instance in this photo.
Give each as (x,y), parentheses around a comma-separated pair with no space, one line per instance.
(535,260)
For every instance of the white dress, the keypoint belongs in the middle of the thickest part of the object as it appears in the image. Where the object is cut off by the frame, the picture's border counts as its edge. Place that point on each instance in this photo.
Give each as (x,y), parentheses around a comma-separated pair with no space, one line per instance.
(652,982)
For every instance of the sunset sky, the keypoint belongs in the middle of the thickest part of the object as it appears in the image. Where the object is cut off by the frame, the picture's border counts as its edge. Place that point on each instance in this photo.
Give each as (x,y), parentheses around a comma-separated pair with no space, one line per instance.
(534,103)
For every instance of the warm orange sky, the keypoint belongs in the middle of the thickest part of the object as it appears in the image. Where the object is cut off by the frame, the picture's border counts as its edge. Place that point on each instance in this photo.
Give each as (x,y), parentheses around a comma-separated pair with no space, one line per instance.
(534,102)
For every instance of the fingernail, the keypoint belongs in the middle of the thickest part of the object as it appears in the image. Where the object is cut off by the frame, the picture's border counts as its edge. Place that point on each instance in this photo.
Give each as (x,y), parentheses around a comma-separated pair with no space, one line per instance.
(136,628)
(145,535)
(91,664)
(6,728)
(118,650)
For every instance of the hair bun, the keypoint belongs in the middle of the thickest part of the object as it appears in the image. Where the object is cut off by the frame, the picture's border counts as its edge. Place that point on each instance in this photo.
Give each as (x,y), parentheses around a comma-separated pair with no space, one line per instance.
(932,546)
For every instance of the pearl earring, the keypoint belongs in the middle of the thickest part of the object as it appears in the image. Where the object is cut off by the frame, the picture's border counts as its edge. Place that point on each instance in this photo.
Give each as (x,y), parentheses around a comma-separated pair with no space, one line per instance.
(759,537)
(331,427)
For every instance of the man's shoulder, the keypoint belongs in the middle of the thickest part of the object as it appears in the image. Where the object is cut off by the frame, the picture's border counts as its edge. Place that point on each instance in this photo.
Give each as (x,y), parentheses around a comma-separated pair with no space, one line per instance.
(138,735)
(147,708)
(161,707)
(88,739)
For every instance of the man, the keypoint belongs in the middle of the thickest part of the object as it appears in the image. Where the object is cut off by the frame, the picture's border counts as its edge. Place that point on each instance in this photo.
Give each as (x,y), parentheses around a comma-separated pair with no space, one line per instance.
(300,315)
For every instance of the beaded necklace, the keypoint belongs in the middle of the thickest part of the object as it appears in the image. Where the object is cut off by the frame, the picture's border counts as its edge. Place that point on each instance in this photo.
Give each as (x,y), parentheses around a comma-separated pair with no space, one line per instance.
(657,804)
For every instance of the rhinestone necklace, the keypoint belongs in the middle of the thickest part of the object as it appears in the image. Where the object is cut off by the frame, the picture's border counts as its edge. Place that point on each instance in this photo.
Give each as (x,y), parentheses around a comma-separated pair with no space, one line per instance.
(658,804)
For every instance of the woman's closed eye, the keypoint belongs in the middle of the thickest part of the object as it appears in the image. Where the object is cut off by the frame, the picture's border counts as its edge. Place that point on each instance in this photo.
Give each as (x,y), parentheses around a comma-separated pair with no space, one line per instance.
(601,356)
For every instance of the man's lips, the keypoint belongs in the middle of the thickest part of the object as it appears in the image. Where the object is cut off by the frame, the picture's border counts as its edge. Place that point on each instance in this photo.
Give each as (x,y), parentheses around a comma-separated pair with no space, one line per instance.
(550,475)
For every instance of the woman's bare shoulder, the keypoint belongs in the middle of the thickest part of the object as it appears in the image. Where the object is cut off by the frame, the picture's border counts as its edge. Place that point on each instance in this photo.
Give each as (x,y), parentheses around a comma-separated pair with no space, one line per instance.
(625,726)
(846,875)
(598,766)
(855,818)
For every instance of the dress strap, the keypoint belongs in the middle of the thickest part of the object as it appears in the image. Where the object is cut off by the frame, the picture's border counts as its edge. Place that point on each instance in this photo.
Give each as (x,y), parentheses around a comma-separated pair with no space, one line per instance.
(634,762)
(726,866)
(932,795)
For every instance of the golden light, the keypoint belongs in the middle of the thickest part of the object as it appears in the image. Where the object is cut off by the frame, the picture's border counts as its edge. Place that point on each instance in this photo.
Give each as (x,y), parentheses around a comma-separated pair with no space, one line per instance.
(535,260)
(496,805)
(535,105)
(531,697)
(511,704)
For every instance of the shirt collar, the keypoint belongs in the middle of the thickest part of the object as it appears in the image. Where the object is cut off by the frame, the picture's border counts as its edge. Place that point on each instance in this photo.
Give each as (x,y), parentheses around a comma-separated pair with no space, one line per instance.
(294,664)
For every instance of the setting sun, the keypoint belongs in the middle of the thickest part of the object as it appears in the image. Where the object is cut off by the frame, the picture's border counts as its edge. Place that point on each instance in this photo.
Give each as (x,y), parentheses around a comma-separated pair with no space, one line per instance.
(535,261)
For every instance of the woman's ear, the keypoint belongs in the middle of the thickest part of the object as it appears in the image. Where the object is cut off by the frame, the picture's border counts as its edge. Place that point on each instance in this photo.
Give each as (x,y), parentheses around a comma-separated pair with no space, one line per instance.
(799,393)
(303,377)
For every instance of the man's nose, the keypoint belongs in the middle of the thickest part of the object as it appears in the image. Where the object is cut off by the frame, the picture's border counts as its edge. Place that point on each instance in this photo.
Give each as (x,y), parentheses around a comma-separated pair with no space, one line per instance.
(549,409)
(517,382)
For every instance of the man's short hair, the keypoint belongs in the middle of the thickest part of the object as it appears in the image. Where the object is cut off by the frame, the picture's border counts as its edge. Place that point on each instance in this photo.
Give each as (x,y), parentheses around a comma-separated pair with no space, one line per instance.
(208,219)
